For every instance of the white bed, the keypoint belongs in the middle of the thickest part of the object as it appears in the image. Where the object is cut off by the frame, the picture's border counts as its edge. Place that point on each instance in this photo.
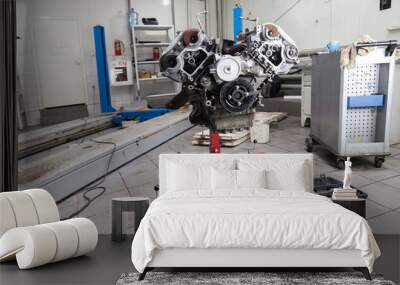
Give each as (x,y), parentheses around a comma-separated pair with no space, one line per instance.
(217,224)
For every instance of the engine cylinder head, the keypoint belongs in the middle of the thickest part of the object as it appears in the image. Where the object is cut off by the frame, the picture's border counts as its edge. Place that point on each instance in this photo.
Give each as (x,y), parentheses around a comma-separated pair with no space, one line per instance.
(270,31)
(291,53)
(169,61)
(191,37)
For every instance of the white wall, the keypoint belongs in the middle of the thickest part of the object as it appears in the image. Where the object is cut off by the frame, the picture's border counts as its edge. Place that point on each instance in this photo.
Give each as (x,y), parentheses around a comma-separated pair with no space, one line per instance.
(185,15)
(88,13)
(25,64)
(109,13)
(313,23)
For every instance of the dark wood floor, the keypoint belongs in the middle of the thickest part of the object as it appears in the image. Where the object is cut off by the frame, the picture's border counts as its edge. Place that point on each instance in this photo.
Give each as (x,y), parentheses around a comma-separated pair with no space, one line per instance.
(103,266)
(110,260)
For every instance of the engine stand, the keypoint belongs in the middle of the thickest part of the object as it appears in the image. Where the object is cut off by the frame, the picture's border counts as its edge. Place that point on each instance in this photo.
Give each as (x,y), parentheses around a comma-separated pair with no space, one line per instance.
(215,142)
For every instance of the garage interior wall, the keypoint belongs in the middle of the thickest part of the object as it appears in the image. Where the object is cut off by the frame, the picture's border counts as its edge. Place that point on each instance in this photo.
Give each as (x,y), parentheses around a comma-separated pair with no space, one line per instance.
(313,23)
(89,13)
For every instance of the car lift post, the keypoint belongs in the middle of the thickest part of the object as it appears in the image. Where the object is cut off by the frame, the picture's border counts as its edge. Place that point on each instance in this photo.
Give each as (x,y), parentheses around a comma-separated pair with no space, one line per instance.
(102,69)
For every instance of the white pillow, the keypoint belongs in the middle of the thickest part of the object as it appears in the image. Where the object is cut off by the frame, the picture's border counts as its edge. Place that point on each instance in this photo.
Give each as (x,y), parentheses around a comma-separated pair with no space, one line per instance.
(292,177)
(183,177)
(224,179)
(282,174)
(251,178)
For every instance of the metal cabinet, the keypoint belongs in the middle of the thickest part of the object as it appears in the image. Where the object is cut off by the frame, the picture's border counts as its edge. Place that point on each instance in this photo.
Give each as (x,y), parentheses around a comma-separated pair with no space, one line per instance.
(351,106)
(395,113)
(305,96)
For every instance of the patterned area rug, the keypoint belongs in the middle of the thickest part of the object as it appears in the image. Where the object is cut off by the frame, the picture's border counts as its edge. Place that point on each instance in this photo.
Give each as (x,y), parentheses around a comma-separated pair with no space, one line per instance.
(243,278)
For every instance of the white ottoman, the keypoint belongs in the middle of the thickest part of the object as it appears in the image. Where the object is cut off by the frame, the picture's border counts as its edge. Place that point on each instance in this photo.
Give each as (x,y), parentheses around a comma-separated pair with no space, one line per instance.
(31,232)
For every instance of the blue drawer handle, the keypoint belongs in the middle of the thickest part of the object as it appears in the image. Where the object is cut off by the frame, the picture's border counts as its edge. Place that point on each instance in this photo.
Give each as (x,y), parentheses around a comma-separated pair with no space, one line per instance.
(373,100)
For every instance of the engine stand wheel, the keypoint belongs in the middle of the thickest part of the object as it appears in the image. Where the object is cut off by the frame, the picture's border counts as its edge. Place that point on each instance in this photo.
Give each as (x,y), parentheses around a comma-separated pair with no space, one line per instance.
(309,144)
(379,161)
(340,163)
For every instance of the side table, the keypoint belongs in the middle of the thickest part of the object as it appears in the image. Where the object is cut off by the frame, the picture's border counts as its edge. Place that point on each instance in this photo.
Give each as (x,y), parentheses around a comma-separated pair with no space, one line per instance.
(138,205)
(356,205)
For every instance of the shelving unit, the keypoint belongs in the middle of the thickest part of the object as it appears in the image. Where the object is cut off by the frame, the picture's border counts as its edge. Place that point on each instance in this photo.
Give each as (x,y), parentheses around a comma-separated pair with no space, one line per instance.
(153,27)
(161,95)
(148,62)
(140,88)
(154,78)
(152,44)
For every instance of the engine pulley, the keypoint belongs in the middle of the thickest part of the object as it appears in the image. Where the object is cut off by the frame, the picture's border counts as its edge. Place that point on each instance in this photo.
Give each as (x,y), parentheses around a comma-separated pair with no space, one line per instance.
(237,96)
(228,68)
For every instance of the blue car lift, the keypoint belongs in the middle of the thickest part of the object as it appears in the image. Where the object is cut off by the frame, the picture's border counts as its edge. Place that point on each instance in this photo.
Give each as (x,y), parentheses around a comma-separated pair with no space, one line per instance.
(237,22)
(141,116)
(102,70)
(104,86)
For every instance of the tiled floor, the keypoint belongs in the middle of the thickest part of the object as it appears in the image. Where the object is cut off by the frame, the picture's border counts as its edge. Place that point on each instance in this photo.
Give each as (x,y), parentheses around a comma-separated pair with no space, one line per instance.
(138,177)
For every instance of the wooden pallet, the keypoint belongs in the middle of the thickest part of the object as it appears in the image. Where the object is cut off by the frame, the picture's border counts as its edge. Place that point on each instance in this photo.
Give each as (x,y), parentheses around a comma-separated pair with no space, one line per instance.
(269,117)
(227,139)
(237,137)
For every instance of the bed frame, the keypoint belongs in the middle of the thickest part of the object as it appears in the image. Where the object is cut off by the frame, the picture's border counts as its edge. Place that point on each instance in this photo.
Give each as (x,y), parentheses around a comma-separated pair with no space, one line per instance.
(242,259)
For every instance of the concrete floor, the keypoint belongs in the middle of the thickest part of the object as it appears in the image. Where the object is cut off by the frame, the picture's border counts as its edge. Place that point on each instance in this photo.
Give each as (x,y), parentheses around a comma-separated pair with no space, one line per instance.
(138,177)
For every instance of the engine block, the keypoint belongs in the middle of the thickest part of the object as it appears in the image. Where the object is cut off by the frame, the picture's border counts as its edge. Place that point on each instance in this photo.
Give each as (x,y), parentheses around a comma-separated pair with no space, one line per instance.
(224,86)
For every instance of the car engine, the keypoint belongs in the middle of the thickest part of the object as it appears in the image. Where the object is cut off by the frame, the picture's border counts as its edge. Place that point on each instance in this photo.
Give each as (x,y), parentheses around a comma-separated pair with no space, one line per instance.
(224,86)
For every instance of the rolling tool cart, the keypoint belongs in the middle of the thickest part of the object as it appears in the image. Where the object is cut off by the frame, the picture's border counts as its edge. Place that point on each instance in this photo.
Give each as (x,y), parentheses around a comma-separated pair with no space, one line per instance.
(351,105)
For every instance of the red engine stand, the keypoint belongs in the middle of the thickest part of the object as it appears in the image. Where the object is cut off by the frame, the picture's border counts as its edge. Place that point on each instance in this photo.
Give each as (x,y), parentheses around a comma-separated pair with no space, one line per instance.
(215,143)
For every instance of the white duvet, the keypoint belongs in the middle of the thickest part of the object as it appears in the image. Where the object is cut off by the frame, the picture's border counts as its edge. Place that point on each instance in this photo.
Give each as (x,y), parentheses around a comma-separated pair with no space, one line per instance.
(250,219)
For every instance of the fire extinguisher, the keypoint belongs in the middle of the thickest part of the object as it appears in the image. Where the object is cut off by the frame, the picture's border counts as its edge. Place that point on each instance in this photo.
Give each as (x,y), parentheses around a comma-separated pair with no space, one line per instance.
(119,47)
(156,53)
